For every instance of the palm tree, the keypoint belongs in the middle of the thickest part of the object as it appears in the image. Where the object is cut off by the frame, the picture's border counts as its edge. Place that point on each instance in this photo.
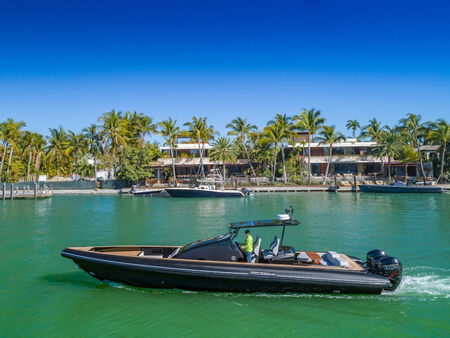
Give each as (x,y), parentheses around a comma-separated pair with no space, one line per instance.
(114,134)
(328,135)
(374,131)
(39,147)
(170,131)
(32,141)
(273,135)
(390,146)
(57,146)
(4,145)
(93,139)
(353,125)
(311,121)
(11,133)
(76,146)
(286,131)
(201,133)
(139,126)
(411,127)
(242,130)
(223,150)
(440,134)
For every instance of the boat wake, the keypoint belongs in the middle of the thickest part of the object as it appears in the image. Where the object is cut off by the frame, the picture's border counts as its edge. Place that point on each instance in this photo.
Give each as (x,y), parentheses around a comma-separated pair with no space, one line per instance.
(425,281)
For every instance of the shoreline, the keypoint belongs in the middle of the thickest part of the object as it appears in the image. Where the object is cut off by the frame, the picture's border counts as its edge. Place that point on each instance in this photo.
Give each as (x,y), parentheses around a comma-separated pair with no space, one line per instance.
(254,189)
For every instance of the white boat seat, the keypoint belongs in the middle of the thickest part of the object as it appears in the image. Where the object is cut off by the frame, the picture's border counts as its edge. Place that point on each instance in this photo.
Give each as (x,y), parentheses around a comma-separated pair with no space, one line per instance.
(174,253)
(302,257)
(335,259)
(256,250)
(273,251)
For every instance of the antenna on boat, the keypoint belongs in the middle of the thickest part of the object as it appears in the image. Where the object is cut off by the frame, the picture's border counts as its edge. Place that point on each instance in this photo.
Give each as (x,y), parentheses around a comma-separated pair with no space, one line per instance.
(289,211)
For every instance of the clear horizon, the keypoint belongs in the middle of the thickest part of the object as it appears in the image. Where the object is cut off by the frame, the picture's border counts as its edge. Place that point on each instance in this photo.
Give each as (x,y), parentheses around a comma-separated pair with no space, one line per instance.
(66,63)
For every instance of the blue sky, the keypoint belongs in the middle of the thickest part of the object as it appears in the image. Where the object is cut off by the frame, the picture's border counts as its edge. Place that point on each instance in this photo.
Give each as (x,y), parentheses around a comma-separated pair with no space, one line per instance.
(66,62)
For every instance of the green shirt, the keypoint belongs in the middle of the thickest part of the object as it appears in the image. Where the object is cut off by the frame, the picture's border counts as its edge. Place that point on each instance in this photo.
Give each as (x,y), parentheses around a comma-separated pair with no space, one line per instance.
(248,246)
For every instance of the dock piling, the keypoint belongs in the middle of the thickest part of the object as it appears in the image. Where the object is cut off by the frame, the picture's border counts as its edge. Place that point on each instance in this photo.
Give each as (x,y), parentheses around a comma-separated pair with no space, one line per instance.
(12,192)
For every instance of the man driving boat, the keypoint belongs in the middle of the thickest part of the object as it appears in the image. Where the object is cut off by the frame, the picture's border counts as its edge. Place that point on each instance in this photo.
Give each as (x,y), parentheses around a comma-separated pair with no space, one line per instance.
(247,247)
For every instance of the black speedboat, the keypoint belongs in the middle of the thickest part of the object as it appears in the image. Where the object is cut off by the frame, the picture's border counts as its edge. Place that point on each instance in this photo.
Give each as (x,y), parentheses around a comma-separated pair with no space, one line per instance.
(218,264)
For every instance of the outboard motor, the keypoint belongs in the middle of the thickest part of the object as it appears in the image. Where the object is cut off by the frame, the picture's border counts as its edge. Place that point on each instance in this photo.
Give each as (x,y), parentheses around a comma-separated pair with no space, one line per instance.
(378,262)
(246,192)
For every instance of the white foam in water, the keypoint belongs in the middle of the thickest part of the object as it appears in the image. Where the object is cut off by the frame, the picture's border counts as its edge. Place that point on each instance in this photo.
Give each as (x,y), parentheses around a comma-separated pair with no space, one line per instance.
(425,281)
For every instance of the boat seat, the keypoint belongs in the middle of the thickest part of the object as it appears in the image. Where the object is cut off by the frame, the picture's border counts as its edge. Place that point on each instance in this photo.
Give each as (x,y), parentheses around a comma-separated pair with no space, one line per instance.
(256,250)
(273,251)
(174,253)
(335,259)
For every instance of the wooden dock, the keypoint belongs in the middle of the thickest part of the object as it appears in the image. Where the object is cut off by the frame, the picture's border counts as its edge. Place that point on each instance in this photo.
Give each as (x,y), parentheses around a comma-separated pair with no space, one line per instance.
(36,192)
(324,188)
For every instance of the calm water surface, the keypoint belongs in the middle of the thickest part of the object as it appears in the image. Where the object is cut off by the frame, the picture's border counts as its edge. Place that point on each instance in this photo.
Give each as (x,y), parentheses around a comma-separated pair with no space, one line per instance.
(42,293)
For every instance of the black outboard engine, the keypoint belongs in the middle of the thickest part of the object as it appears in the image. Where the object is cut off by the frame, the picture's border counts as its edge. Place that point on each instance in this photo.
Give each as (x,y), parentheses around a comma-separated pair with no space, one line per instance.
(245,191)
(378,262)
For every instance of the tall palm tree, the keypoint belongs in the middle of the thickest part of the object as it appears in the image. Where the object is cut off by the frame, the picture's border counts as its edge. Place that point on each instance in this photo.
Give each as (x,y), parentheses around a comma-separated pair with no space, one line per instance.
(76,146)
(286,132)
(311,121)
(328,135)
(170,131)
(353,125)
(93,139)
(440,134)
(39,147)
(273,135)
(139,126)
(223,150)
(58,144)
(4,146)
(389,146)
(412,127)
(374,131)
(31,142)
(202,133)
(11,133)
(242,130)
(114,134)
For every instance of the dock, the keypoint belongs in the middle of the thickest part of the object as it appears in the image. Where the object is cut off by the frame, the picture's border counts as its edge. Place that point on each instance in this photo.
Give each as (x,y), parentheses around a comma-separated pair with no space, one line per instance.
(316,188)
(36,192)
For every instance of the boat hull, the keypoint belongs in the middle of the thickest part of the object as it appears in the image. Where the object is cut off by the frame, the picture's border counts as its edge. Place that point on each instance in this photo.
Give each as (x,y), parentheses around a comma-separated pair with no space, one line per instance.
(222,276)
(397,189)
(147,192)
(187,192)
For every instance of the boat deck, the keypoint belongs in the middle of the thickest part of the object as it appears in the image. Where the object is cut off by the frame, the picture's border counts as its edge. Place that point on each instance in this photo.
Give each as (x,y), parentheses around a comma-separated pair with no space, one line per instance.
(164,251)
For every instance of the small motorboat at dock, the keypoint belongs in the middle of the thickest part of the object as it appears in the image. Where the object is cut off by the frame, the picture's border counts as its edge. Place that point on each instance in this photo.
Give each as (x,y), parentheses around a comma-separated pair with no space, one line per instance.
(209,187)
(135,191)
(219,264)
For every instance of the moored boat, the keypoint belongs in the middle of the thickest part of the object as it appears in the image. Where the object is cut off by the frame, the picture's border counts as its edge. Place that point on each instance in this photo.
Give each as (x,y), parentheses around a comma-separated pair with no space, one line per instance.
(211,186)
(218,264)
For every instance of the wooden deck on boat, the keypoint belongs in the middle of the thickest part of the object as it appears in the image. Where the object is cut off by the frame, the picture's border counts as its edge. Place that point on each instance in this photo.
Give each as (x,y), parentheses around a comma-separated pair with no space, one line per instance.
(134,251)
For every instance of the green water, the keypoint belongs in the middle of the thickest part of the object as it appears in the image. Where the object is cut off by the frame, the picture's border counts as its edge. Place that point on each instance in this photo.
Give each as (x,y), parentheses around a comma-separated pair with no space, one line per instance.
(43,294)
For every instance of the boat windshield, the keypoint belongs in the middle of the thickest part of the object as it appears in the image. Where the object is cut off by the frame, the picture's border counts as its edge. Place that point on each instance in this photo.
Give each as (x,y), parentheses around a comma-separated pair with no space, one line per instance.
(206,241)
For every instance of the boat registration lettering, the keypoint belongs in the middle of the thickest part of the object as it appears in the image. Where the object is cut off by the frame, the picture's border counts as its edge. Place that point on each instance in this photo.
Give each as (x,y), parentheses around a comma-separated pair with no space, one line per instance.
(260,273)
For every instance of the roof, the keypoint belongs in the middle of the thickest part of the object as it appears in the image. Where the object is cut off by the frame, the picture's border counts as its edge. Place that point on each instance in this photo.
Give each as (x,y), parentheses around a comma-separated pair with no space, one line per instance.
(264,223)
(187,146)
(346,144)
